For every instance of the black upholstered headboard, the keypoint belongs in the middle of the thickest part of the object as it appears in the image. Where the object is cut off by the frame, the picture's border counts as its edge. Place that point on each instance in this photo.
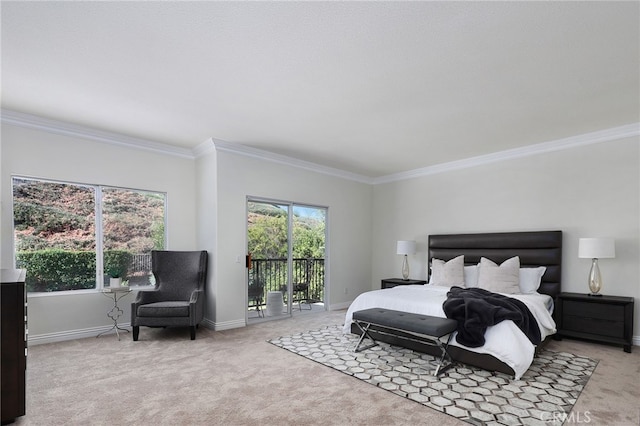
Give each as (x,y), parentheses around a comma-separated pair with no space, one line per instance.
(540,248)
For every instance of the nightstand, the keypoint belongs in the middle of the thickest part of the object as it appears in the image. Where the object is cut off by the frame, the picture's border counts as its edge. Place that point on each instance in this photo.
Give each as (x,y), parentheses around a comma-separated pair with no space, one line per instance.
(392,282)
(605,319)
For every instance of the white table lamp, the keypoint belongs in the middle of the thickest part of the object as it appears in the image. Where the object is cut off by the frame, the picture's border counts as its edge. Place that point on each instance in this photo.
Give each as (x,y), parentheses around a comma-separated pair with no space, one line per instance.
(405,248)
(596,248)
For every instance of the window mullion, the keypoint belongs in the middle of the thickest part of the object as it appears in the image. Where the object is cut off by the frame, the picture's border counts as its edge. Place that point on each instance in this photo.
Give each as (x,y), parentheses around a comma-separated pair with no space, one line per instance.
(99,239)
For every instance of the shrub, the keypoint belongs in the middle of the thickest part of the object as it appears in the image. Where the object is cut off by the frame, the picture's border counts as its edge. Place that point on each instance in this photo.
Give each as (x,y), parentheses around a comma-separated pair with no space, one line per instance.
(59,270)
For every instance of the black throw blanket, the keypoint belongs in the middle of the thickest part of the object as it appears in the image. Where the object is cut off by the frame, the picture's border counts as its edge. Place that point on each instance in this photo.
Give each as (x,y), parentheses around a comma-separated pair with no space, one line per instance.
(475,309)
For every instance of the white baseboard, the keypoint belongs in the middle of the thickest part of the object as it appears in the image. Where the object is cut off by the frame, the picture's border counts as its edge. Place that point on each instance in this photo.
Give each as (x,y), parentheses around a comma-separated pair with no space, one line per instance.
(225,325)
(61,336)
(635,340)
(207,323)
(339,306)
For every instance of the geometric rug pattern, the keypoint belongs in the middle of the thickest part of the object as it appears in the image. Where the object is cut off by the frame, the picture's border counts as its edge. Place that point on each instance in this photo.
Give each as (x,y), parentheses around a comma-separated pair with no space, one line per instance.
(544,395)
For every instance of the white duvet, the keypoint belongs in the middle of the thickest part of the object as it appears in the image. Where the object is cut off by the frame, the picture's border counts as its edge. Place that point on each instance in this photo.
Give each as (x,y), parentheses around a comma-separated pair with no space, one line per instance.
(504,340)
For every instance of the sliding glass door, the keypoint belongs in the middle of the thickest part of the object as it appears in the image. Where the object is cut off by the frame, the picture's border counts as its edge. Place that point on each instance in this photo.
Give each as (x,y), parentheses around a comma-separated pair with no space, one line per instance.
(286,258)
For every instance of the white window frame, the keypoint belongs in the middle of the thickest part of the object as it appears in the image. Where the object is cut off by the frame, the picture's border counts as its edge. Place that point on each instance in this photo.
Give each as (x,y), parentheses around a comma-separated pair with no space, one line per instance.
(99,240)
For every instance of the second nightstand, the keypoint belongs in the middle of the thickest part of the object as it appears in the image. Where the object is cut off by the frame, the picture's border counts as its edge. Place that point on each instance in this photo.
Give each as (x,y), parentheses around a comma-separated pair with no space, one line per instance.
(606,319)
(392,282)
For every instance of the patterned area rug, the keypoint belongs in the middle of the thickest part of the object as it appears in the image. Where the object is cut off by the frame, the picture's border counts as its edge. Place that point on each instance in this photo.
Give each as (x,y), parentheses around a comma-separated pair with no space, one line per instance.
(544,395)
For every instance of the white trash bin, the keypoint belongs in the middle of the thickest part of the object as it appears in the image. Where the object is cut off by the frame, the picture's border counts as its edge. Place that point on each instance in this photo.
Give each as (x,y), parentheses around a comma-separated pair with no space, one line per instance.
(275,303)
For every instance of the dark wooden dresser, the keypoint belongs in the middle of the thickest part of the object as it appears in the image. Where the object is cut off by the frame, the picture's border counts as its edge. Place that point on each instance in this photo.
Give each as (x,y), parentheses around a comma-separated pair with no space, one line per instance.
(392,282)
(605,319)
(13,302)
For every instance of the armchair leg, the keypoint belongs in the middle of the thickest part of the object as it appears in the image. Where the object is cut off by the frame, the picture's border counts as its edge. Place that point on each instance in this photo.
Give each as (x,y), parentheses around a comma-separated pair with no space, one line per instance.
(136,332)
(193,332)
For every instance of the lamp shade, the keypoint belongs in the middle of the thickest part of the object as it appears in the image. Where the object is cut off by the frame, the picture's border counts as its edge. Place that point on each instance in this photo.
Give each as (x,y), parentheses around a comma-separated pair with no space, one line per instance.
(406,247)
(596,248)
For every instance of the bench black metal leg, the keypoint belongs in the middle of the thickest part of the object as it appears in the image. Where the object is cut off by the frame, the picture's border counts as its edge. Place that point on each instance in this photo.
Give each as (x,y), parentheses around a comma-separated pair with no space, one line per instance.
(440,368)
(365,333)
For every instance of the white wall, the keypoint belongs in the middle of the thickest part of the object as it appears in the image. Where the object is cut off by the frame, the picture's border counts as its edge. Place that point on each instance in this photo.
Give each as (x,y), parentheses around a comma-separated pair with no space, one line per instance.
(588,191)
(593,190)
(41,154)
(349,224)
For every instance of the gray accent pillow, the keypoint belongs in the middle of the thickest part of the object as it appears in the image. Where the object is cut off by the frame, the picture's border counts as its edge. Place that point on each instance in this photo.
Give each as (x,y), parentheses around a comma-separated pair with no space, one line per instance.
(500,279)
(447,274)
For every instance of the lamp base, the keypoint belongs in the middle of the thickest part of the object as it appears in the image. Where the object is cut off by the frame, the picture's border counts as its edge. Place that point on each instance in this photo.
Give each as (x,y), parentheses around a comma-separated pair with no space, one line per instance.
(405,268)
(594,295)
(595,279)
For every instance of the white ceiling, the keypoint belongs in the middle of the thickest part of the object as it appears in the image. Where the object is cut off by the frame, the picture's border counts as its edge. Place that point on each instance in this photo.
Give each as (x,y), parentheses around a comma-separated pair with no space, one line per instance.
(373,88)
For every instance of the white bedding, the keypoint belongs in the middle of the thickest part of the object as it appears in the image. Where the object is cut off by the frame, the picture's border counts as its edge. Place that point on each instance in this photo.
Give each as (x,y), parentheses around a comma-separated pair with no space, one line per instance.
(504,340)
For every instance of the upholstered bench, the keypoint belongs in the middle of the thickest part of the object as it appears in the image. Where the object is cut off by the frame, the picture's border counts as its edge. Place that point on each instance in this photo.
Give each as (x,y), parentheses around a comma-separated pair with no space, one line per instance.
(427,328)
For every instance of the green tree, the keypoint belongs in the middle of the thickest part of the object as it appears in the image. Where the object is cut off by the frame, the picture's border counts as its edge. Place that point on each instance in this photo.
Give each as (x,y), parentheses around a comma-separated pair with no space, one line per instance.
(308,239)
(268,237)
(157,235)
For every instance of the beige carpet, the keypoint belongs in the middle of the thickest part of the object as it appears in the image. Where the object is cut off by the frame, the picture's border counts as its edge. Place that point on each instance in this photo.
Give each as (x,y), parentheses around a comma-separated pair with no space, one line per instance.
(236,377)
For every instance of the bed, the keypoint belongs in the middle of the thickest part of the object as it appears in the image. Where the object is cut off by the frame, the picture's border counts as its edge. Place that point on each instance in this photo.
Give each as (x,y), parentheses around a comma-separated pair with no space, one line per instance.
(506,348)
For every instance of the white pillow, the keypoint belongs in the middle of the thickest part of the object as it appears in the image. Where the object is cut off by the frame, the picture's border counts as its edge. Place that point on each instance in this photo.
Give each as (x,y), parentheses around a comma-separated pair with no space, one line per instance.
(530,279)
(471,276)
(500,279)
(449,273)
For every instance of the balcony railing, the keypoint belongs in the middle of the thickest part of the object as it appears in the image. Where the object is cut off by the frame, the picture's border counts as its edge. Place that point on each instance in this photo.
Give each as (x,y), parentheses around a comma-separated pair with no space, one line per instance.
(271,275)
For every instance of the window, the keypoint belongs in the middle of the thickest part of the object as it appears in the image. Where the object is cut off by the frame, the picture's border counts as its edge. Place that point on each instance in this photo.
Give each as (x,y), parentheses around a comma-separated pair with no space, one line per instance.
(75,236)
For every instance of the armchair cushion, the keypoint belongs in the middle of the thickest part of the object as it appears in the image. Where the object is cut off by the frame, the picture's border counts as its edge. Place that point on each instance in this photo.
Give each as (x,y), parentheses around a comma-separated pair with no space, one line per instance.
(164,309)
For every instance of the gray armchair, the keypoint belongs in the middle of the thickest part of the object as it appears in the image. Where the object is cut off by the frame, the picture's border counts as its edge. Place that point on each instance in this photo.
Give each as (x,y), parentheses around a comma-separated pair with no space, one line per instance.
(178,299)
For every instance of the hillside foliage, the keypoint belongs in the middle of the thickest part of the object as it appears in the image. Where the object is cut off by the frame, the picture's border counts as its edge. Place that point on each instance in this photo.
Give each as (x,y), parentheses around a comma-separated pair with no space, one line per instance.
(267,234)
(62,216)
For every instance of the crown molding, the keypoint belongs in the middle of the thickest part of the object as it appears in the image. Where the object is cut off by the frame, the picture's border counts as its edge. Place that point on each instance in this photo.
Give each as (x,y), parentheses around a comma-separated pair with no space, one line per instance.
(607,135)
(67,129)
(211,144)
(289,161)
(204,148)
